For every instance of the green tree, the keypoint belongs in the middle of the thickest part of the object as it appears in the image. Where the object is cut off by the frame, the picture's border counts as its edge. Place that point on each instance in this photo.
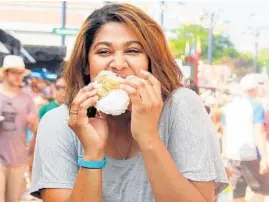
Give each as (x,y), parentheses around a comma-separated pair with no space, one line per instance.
(263,58)
(222,46)
(187,33)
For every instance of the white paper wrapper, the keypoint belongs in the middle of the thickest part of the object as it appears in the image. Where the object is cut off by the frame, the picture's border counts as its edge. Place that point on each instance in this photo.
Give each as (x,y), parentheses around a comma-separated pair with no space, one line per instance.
(116,101)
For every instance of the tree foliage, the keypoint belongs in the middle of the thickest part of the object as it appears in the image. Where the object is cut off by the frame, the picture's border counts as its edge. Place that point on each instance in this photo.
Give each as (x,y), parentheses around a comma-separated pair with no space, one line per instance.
(224,51)
(263,58)
(222,46)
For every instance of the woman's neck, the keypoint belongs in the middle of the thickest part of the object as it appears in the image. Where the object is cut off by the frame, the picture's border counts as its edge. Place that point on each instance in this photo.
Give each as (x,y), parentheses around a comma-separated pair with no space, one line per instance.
(119,125)
(120,144)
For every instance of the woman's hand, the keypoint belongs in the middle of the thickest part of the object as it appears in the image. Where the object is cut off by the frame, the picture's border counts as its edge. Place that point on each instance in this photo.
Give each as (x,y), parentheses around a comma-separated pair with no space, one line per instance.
(92,132)
(146,99)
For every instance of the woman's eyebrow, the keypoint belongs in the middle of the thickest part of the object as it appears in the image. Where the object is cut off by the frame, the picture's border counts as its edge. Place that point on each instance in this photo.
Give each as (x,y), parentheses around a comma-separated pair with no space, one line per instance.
(128,43)
(102,43)
(109,44)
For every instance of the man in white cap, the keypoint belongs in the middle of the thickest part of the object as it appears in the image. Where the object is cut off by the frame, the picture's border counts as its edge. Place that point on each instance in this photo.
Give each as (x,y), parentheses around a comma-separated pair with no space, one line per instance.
(246,148)
(18,113)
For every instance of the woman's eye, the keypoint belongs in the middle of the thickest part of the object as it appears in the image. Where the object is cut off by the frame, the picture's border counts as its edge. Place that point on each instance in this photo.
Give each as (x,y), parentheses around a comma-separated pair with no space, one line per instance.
(103,52)
(133,51)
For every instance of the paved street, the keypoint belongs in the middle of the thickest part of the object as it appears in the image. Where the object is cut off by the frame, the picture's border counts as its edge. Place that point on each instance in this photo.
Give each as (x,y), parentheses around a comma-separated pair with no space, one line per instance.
(224,197)
(27,198)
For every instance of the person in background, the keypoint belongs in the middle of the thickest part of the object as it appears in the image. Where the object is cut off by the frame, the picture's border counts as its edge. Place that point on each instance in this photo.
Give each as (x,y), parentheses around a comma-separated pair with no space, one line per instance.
(216,117)
(192,85)
(60,87)
(19,112)
(38,96)
(246,148)
(263,95)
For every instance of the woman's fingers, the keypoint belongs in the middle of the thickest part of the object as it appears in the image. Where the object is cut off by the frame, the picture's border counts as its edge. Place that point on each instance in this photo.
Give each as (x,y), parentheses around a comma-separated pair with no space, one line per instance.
(144,90)
(152,80)
(139,83)
(131,90)
(82,110)
(81,97)
(85,98)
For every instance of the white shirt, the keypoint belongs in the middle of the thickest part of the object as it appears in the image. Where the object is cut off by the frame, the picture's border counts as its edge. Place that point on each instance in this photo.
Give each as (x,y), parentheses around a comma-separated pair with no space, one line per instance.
(240,116)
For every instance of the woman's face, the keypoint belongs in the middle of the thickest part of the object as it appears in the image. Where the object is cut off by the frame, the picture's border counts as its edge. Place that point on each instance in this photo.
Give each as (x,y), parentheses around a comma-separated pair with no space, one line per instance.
(116,48)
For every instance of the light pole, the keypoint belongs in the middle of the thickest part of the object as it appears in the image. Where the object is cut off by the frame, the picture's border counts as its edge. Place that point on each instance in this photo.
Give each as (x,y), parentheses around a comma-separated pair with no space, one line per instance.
(210,16)
(255,55)
(210,39)
(162,13)
(256,37)
(63,20)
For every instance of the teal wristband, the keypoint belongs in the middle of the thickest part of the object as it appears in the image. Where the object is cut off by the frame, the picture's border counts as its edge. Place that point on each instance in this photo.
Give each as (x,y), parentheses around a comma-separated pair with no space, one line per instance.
(91,164)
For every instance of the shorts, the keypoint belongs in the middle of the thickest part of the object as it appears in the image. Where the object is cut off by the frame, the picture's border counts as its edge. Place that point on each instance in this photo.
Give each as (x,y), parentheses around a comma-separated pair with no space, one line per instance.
(12,182)
(246,173)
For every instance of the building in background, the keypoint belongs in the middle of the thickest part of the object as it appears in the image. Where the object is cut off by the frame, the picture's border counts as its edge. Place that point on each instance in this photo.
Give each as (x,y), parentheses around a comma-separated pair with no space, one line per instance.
(49,23)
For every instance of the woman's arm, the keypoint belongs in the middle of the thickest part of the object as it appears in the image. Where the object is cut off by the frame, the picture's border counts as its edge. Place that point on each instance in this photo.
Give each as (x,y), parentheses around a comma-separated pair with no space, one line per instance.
(88,187)
(191,142)
(187,129)
(167,182)
(56,152)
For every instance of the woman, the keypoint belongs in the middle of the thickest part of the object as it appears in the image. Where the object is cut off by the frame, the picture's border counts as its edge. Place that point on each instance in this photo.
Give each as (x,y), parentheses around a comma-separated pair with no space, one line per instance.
(162,149)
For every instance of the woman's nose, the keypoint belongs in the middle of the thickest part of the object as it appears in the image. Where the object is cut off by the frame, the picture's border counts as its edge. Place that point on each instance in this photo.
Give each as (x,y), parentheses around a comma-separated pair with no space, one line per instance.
(118,62)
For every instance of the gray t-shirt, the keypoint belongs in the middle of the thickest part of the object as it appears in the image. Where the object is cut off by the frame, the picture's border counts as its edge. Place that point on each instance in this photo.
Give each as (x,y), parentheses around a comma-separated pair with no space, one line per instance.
(185,129)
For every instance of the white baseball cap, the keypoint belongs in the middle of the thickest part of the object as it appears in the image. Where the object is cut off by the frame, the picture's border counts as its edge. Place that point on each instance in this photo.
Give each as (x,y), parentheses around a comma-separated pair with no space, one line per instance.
(251,81)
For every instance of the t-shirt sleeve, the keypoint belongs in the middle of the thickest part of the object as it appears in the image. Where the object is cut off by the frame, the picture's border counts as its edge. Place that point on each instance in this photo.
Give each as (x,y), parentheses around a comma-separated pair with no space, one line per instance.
(42,112)
(259,114)
(55,157)
(193,140)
